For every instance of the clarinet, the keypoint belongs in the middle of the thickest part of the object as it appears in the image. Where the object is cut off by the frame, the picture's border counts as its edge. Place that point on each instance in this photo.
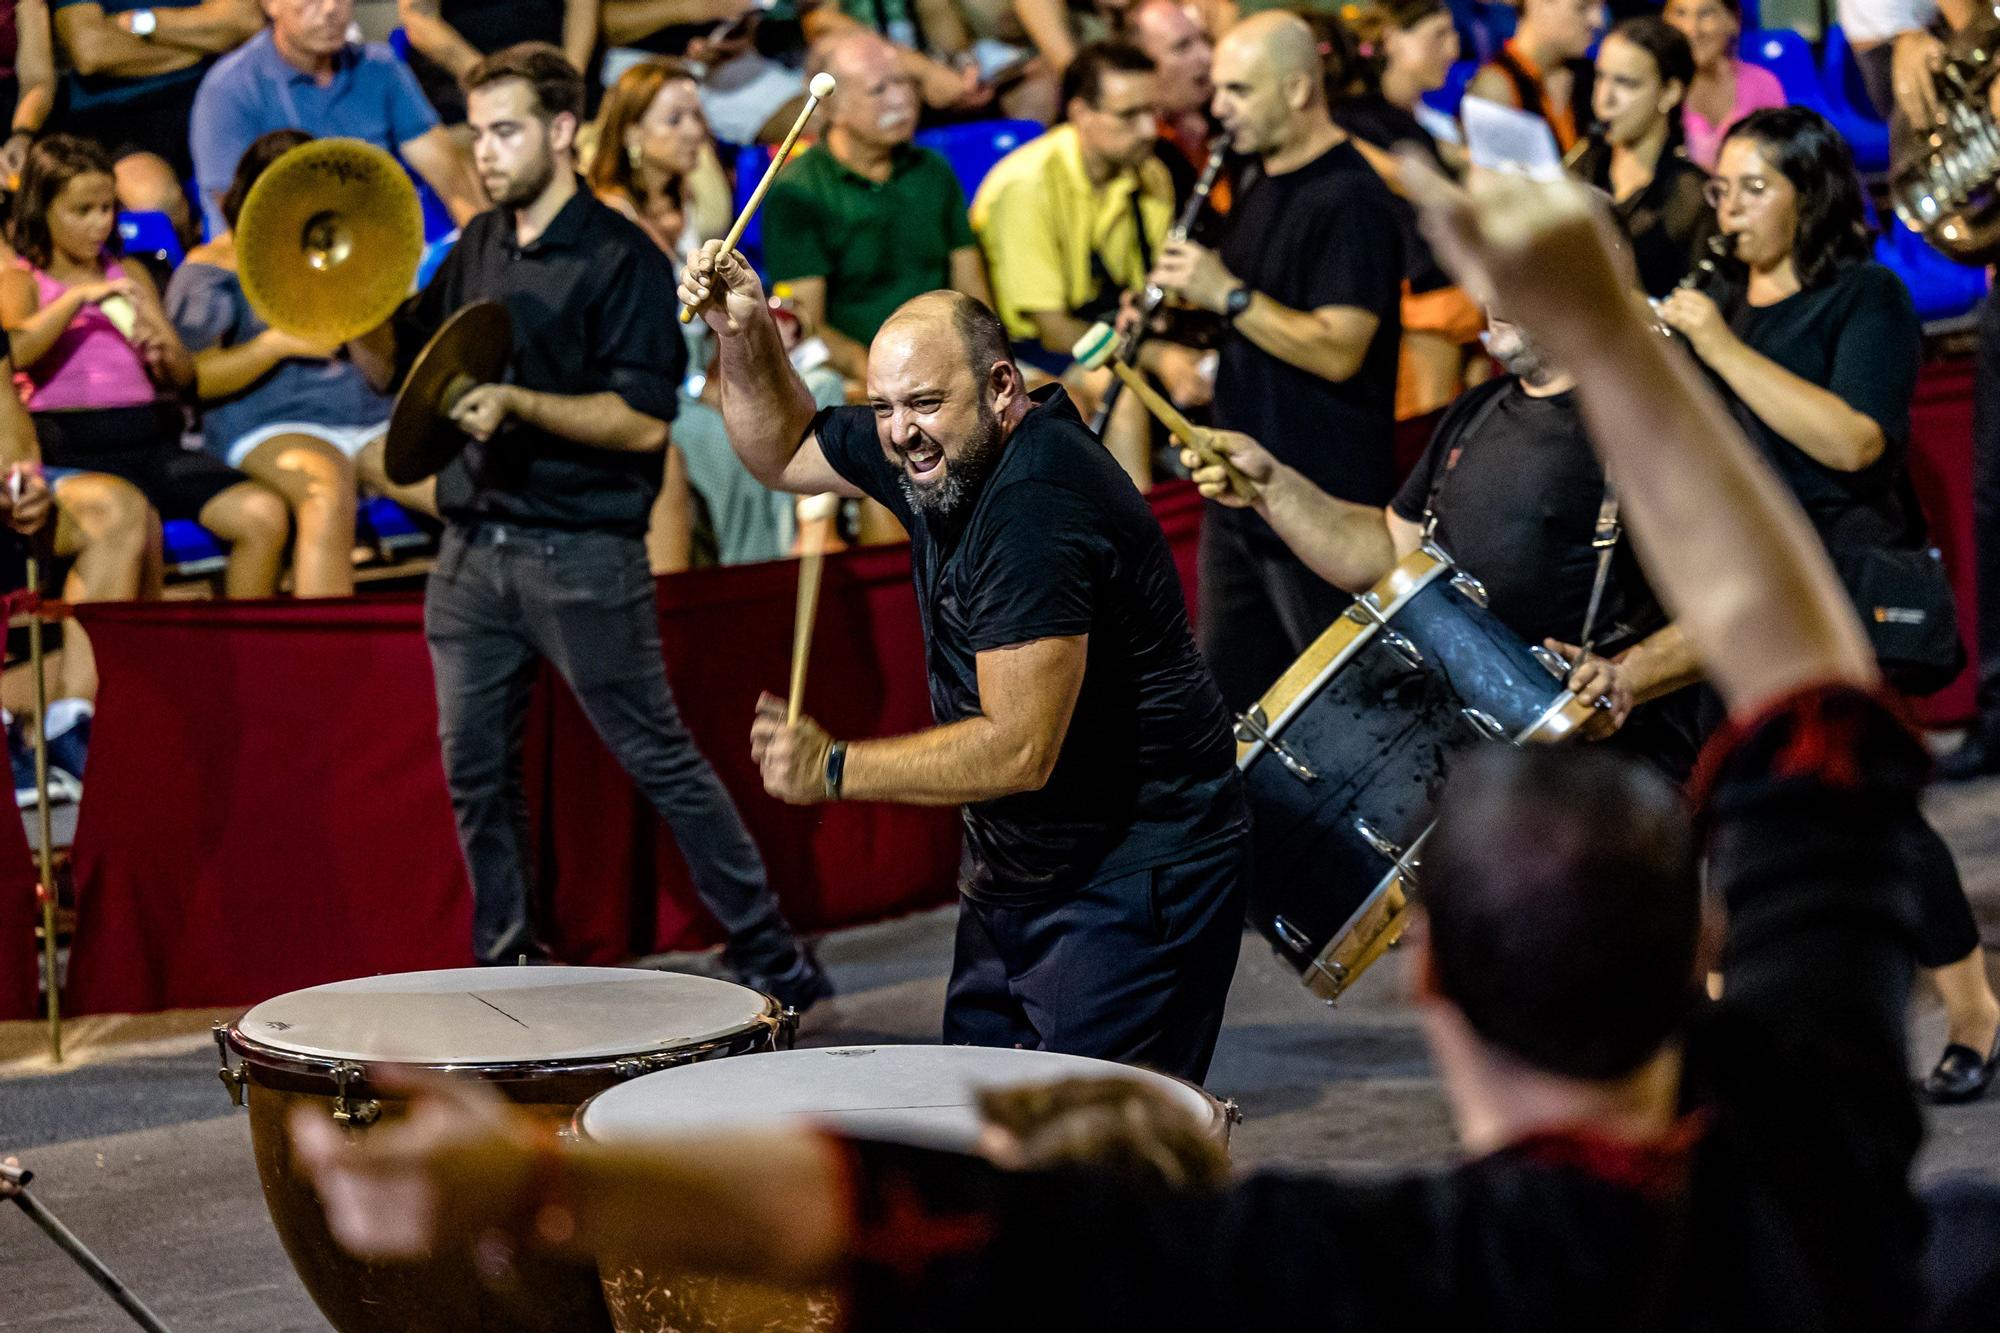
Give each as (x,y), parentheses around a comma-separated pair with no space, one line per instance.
(1718,249)
(1154,296)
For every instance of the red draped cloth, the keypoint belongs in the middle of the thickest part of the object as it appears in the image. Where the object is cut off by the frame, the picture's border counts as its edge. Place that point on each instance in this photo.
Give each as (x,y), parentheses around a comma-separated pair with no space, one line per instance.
(1941,466)
(267,809)
(20,912)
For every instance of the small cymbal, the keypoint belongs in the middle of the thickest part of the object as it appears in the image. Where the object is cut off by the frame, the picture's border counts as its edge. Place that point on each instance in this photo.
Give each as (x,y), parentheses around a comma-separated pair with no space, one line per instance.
(472,348)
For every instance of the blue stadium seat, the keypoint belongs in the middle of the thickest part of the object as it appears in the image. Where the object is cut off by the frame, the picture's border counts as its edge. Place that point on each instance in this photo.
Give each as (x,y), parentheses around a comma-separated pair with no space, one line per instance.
(150,234)
(191,549)
(1939,288)
(1447,98)
(973,149)
(387,525)
(1853,114)
(1483,26)
(399,43)
(1786,55)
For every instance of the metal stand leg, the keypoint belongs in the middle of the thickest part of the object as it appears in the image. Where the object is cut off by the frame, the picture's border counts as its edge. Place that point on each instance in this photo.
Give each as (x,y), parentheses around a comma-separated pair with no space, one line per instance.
(17,1181)
(44,856)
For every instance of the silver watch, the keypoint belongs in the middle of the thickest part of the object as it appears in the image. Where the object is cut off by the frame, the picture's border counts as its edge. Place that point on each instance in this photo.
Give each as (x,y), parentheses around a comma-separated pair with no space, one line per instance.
(144,23)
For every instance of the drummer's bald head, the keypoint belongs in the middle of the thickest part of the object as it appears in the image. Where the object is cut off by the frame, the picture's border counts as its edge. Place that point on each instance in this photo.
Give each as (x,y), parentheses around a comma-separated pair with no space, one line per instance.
(949,314)
(1563,907)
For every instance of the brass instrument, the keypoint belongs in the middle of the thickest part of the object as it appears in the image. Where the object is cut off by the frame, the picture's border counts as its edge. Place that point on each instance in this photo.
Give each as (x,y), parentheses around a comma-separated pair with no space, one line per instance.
(1946,179)
(329,241)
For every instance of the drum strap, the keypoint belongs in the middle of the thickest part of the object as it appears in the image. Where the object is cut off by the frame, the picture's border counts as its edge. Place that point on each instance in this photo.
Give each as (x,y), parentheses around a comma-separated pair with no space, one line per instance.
(1605,540)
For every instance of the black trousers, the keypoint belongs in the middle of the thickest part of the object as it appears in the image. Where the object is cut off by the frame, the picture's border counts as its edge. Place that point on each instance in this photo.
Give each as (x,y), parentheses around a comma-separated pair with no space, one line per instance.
(1260,606)
(1133,968)
(504,597)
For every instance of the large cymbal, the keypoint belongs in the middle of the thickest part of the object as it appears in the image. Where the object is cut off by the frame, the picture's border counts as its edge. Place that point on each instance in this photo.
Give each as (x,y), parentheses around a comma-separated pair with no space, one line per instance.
(329,240)
(472,348)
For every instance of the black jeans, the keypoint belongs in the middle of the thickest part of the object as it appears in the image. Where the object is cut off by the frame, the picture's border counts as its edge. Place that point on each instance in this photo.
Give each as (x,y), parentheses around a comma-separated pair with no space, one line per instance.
(504,597)
(1260,606)
(1131,967)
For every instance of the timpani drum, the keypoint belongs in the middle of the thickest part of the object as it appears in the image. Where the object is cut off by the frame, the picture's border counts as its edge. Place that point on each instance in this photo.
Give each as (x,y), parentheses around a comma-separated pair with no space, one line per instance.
(549,1038)
(921,1095)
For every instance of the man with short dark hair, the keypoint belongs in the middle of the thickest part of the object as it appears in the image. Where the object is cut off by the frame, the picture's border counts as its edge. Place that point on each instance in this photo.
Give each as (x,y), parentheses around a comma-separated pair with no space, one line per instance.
(1105,833)
(546,511)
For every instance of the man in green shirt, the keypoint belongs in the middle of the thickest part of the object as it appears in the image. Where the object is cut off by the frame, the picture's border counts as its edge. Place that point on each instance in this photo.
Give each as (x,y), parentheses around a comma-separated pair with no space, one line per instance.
(864,220)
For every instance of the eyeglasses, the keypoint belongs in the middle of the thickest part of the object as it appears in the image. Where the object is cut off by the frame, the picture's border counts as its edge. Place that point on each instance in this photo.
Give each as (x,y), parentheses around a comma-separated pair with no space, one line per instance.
(1717,191)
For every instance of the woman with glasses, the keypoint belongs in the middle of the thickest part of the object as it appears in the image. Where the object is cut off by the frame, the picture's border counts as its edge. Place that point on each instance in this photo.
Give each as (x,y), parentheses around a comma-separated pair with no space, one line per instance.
(1726,88)
(1821,345)
(1643,71)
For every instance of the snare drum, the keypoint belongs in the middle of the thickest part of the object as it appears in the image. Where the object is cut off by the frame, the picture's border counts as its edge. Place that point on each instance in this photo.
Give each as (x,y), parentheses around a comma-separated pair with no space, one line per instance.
(1344,757)
(923,1095)
(547,1037)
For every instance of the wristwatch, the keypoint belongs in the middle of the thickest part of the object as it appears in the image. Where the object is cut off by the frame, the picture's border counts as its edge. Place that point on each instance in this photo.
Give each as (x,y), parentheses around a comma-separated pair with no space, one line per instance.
(836,769)
(1236,302)
(144,23)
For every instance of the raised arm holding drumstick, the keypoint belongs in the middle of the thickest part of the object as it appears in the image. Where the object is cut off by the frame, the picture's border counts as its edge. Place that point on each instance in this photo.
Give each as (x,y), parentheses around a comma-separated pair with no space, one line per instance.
(1075,723)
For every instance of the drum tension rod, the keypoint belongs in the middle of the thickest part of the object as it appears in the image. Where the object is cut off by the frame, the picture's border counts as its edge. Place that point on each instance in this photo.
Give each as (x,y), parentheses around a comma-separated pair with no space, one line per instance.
(1254,726)
(237,1081)
(1365,610)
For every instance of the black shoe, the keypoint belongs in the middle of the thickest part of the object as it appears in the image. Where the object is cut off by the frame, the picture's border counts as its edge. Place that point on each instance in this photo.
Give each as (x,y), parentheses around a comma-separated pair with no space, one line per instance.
(799,987)
(1961,1076)
(1978,756)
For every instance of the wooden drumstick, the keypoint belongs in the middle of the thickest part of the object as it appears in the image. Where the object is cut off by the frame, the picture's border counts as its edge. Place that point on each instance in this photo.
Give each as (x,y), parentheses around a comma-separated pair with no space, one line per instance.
(1099,348)
(816,515)
(816,92)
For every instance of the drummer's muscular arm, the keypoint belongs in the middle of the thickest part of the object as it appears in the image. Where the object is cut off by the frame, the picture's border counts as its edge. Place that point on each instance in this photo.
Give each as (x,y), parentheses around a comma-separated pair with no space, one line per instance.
(1350,546)
(768,412)
(1027,693)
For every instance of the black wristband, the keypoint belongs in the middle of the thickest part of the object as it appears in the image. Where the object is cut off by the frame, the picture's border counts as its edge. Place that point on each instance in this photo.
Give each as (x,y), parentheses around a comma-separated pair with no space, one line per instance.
(836,769)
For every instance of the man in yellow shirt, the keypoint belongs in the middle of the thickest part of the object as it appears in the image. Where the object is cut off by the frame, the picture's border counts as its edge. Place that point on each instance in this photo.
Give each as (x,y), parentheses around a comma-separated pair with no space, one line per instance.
(1072,220)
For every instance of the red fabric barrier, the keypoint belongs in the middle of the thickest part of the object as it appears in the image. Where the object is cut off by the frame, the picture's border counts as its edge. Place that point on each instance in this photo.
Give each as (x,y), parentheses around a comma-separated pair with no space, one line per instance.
(20,912)
(267,811)
(1941,466)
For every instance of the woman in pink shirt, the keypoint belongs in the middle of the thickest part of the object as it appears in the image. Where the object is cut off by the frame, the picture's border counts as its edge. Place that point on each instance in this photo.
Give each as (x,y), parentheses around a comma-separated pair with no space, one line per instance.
(1725,88)
(100,366)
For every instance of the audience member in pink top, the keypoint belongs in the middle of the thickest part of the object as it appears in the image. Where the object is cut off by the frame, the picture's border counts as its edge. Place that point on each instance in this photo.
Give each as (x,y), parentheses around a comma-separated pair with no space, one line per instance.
(103,365)
(1725,88)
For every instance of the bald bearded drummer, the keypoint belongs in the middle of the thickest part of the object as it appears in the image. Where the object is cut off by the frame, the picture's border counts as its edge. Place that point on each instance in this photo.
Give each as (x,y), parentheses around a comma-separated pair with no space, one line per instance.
(1106,838)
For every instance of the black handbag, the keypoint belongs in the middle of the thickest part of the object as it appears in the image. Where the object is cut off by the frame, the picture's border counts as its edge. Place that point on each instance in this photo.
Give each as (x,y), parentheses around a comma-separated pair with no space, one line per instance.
(1907,607)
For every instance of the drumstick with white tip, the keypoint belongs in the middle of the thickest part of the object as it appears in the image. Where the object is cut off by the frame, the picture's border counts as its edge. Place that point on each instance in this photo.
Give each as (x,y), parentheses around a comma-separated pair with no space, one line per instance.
(1099,348)
(817,91)
(815,517)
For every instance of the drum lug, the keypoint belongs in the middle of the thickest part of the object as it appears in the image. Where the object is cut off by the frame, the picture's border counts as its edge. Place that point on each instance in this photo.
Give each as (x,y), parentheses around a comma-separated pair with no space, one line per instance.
(1403,650)
(1484,723)
(352,1113)
(1254,727)
(1290,935)
(1363,610)
(787,1035)
(1374,837)
(1471,588)
(629,1067)
(236,1080)
(1552,662)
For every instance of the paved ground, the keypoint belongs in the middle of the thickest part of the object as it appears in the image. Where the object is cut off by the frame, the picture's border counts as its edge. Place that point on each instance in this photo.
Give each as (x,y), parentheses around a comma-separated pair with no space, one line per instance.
(142,1156)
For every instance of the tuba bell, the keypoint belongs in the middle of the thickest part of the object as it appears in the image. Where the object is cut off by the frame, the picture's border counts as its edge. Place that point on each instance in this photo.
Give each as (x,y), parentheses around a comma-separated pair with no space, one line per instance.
(329,240)
(1946,182)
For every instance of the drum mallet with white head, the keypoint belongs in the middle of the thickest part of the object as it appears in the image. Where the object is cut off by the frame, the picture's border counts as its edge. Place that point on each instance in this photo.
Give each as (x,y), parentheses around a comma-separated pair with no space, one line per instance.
(1099,347)
(815,518)
(817,91)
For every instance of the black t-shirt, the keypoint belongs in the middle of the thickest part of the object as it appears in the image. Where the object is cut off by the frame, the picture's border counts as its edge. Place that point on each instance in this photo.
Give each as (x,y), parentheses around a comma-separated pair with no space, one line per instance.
(1058,543)
(1323,235)
(1858,336)
(592,303)
(1380,123)
(1669,222)
(1517,490)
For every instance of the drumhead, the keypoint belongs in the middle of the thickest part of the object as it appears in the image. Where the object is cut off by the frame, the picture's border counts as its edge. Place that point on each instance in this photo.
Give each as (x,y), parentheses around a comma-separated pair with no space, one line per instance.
(503,1015)
(912,1094)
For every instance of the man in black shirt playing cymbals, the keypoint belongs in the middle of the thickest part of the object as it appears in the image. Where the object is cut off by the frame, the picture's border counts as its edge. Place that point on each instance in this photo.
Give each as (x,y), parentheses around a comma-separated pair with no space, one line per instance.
(1106,843)
(545,514)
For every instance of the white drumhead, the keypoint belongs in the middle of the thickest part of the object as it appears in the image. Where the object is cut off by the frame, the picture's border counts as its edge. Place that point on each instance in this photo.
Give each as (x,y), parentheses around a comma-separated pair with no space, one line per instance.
(503,1015)
(912,1094)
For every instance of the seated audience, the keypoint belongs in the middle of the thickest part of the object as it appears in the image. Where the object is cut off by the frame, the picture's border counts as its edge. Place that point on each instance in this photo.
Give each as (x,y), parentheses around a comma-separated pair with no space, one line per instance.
(134,69)
(863,220)
(1181,51)
(27,80)
(958,87)
(1070,222)
(295,415)
(1637,1155)
(447,38)
(1401,51)
(302,73)
(1643,71)
(1545,66)
(655,162)
(100,363)
(1726,88)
